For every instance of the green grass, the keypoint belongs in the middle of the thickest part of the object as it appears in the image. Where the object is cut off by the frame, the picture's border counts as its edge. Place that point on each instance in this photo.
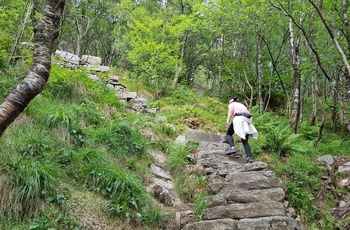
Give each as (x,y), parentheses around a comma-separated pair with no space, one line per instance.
(75,138)
(69,137)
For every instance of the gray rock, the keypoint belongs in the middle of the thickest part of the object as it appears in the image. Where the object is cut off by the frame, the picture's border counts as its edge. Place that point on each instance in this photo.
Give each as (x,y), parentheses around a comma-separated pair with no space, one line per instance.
(269,223)
(99,68)
(198,136)
(90,60)
(245,210)
(215,200)
(274,194)
(181,140)
(139,103)
(326,158)
(69,57)
(222,224)
(127,95)
(345,167)
(159,172)
(94,77)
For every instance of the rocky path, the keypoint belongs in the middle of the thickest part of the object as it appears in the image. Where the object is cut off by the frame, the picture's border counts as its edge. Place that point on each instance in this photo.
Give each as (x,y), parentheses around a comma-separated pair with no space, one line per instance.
(244,196)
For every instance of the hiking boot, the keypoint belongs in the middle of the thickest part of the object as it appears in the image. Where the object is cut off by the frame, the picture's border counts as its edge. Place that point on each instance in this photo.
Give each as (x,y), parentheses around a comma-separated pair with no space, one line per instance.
(232,150)
(249,160)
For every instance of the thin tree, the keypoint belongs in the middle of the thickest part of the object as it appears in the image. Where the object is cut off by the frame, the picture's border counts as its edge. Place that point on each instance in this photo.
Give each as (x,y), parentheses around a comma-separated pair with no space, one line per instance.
(21,29)
(45,33)
(295,59)
(259,67)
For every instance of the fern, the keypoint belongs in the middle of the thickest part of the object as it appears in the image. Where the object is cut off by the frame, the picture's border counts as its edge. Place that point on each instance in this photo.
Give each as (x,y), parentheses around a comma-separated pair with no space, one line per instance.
(280,140)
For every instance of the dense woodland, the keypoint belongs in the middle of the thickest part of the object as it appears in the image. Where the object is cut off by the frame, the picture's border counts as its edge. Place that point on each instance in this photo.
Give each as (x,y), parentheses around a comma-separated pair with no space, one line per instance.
(286,58)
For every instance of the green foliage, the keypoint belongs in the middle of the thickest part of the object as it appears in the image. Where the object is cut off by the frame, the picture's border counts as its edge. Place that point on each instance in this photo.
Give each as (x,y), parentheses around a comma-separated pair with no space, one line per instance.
(199,205)
(119,139)
(128,197)
(152,218)
(63,84)
(302,183)
(152,43)
(280,139)
(53,114)
(307,131)
(186,108)
(33,181)
(328,221)
(333,145)
(177,159)
(9,79)
(187,184)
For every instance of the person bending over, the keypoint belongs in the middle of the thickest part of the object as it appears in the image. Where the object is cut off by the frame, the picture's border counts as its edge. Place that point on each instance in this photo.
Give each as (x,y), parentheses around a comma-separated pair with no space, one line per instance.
(242,125)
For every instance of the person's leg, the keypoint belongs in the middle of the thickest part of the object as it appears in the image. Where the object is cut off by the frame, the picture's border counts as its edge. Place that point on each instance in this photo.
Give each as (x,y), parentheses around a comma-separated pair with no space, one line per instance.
(230,141)
(247,149)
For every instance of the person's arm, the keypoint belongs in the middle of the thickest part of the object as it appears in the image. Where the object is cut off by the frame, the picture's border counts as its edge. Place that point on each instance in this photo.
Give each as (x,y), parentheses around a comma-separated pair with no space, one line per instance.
(229,115)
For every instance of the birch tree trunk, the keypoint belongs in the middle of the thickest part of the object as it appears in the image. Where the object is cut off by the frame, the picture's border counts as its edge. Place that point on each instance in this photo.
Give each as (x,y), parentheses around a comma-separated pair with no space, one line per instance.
(45,33)
(345,8)
(21,29)
(259,72)
(335,42)
(295,58)
(314,90)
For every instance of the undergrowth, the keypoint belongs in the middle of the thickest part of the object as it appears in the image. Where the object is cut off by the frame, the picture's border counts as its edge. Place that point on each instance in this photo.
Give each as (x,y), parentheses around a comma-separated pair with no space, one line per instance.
(76,135)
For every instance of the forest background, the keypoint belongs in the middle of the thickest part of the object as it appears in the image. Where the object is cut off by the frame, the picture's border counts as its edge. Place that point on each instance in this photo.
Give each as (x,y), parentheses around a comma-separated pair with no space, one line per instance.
(288,61)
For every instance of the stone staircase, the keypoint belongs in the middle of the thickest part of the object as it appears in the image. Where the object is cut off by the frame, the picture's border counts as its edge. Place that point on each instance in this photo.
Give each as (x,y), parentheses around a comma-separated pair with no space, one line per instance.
(244,196)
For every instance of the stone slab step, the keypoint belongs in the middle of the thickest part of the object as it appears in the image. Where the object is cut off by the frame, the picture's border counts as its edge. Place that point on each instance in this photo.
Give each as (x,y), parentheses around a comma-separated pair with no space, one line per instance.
(265,223)
(245,210)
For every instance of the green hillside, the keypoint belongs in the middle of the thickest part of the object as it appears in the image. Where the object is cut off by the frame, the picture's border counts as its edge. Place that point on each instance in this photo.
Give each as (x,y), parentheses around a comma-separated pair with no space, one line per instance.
(73,156)
(76,153)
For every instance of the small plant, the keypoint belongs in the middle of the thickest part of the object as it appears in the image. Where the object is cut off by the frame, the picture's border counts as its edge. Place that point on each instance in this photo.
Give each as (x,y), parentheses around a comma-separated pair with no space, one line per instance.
(199,205)
(328,221)
(177,159)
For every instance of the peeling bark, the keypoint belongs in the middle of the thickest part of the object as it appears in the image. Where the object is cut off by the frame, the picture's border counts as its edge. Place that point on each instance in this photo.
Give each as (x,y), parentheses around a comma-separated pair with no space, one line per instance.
(45,33)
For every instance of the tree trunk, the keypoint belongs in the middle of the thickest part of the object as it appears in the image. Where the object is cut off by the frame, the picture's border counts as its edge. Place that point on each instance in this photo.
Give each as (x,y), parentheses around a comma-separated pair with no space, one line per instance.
(295,58)
(345,8)
(314,96)
(344,118)
(45,33)
(335,42)
(21,29)
(179,68)
(259,73)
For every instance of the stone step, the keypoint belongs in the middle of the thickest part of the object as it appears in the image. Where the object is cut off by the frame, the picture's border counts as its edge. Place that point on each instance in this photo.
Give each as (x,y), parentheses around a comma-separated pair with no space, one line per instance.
(244,196)
(245,210)
(239,196)
(266,223)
